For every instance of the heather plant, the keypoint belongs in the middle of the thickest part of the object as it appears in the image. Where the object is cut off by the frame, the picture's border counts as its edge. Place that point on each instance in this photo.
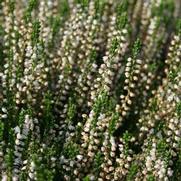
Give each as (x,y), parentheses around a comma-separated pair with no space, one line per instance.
(90,90)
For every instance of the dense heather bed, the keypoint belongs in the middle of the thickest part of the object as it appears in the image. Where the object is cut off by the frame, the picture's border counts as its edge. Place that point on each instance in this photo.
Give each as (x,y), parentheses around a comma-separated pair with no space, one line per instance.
(90,90)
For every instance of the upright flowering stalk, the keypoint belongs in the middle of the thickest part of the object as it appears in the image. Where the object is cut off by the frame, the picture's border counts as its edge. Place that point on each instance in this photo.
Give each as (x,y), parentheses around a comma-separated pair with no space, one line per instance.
(132,72)
(115,50)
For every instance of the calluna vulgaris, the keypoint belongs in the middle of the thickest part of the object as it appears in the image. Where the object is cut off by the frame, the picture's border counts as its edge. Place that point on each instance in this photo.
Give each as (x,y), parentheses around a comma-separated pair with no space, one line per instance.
(90,90)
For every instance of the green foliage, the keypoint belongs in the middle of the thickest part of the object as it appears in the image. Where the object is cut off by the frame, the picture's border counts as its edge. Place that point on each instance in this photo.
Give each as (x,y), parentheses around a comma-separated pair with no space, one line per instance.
(9,158)
(152,67)
(114,46)
(122,7)
(126,137)
(93,56)
(154,105)
(55,23)
(150,177)
(64,8)
(173,75)
(22,115)
(162,146)
(42,171)
(101,102)
(178,109)
(122,21)
(164,11)
(36,32)
(136,48)
(159,126)
(99,6)
(1,130)
(163,150)
(178,26)
(177,165)
(48,117)
(97,162)
(132,172)
(67,70)
(2,32)
(70,150)
(83,3)
(126,140)
(100,106)
(48,105)
(86,178)
(32,4)
(122,17)
(71,109)
(11,5)
(112,124)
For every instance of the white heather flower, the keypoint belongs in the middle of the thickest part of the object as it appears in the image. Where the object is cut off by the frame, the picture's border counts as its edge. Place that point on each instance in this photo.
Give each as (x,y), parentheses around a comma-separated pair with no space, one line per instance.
(170,172)
(79,157)
(4,110)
